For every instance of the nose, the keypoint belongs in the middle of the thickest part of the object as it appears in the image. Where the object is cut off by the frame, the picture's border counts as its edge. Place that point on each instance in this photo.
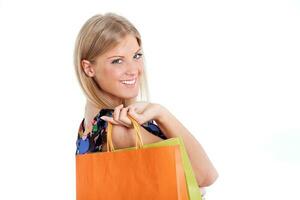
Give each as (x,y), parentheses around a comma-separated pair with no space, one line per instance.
(132,69)
(130,75)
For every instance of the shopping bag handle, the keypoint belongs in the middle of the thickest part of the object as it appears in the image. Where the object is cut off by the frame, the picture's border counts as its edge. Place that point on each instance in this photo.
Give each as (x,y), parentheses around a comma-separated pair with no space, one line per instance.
(138,140)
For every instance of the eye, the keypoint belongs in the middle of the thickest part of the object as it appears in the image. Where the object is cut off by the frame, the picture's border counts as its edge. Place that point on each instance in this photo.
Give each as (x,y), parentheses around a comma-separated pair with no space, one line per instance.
(116,61)
(139,54)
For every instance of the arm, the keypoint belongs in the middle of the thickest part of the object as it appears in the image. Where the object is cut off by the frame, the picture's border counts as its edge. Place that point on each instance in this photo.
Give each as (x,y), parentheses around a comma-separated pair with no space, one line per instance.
(205,172)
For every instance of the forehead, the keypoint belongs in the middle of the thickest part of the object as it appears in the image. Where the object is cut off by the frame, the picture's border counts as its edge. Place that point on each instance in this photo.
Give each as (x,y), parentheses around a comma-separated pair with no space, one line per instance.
(128,45)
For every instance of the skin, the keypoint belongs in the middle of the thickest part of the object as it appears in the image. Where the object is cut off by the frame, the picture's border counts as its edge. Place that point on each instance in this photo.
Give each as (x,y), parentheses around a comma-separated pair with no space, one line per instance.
(131,66)
(124,68)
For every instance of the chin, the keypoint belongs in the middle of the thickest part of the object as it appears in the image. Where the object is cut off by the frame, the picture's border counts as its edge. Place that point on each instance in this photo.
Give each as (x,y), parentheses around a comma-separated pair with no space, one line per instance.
(129,96)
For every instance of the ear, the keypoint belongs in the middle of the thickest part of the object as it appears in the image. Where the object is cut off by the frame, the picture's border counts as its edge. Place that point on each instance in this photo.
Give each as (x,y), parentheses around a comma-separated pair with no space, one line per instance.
(88,68)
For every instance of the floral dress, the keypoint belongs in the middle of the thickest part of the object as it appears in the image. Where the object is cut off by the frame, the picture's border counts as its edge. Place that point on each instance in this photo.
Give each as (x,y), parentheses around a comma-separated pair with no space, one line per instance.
(95,139)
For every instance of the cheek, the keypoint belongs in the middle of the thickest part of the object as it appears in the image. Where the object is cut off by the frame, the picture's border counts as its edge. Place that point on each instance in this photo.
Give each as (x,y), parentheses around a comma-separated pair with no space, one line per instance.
(110,77)
(141,69)
(111,73)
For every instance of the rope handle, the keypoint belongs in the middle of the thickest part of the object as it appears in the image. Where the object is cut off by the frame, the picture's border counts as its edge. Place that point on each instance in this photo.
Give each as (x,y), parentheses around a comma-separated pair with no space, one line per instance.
(138,141)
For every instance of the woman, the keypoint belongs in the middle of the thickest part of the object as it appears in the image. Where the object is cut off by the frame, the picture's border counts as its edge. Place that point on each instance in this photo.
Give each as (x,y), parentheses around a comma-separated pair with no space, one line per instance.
(110,68)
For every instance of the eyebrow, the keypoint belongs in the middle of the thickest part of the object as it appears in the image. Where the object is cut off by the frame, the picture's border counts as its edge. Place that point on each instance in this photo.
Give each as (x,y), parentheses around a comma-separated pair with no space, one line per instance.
(123,56)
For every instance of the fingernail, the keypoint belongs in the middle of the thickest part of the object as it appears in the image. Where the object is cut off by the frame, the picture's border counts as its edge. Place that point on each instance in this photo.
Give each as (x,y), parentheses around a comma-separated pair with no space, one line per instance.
(102,117)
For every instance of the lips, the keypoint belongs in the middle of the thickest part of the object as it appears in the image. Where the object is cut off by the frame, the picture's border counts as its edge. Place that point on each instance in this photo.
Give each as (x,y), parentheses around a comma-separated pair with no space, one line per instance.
(129,82)
(130,79)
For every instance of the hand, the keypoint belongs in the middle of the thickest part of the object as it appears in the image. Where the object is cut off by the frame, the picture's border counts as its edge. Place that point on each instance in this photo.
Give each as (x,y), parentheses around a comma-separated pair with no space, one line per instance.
(140,111)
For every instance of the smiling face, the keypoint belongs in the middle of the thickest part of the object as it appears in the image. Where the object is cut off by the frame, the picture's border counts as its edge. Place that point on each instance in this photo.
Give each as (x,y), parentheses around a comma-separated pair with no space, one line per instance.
(118,71)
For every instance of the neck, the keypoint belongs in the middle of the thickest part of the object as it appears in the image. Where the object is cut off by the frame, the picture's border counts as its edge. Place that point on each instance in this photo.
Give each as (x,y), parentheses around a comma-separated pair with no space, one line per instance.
(90,112)
(91,109)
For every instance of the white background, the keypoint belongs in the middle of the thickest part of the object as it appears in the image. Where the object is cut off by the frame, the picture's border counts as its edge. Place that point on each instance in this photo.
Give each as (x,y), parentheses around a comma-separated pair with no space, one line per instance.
(229,70)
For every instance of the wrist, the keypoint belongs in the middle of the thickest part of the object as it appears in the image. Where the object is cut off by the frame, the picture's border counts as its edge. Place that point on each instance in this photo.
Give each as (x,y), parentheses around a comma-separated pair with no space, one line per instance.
(161,112)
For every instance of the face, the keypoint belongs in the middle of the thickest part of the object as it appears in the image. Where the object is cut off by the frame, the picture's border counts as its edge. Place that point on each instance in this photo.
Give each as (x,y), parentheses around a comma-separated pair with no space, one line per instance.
(118,71)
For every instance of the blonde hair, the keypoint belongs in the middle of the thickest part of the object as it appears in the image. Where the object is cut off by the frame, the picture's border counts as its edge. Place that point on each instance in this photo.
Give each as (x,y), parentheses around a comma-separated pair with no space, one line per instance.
(99,34)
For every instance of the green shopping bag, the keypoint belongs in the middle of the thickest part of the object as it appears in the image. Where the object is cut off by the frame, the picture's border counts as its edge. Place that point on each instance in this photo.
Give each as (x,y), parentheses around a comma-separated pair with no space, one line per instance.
(192,185)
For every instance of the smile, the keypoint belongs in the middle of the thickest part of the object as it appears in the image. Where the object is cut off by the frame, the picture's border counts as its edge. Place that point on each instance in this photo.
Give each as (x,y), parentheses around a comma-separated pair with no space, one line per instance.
(129,82)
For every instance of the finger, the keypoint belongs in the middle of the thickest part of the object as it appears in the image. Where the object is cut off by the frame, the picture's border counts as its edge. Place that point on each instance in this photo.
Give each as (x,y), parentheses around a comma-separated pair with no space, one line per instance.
(120,121)
(109,119)
(116,115)
(124,118)
(135,116)
(116,112)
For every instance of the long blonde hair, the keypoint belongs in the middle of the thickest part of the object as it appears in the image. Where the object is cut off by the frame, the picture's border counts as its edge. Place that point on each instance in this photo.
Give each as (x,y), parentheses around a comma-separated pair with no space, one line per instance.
(99,34)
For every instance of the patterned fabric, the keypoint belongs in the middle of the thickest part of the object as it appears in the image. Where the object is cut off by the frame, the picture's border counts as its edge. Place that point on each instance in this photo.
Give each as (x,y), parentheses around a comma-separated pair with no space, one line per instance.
(94,140)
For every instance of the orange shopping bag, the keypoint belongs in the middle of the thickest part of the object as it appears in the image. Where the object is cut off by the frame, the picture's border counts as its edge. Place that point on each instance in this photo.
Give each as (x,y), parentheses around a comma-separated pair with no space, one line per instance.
(131,173)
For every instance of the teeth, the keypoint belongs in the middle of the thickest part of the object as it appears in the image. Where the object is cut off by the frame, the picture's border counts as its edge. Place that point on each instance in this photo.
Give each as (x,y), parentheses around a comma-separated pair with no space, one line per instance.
(129,82)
